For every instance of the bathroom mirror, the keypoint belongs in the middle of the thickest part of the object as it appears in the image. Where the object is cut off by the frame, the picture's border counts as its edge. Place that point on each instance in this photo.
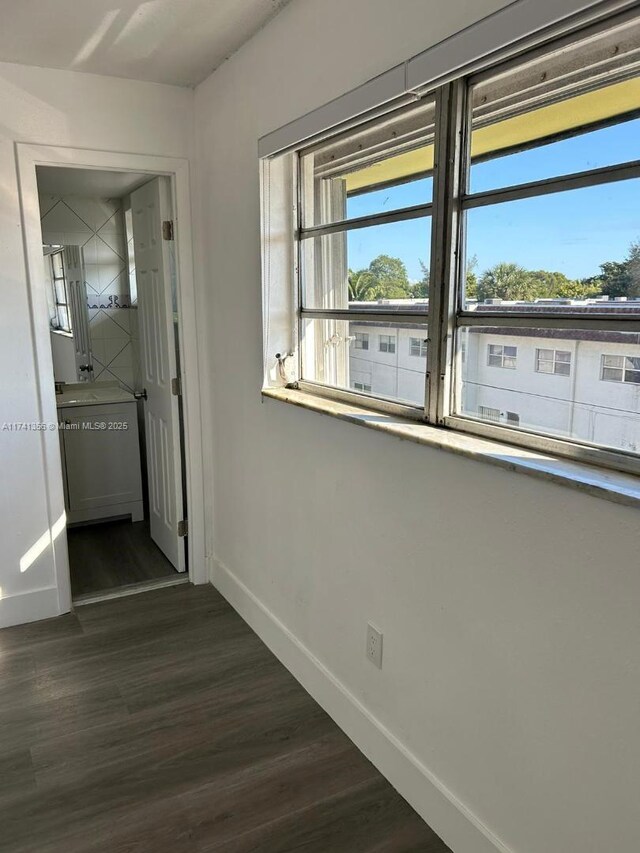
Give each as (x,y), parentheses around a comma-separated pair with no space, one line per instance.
(91,297)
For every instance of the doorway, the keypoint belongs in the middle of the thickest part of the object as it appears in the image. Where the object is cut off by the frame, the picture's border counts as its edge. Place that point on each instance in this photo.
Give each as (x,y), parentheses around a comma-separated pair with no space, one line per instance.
(110,270)
(127,434)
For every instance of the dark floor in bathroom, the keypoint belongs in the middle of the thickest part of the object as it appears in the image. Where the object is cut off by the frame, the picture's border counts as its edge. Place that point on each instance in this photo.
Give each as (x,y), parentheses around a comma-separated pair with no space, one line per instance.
(114,554)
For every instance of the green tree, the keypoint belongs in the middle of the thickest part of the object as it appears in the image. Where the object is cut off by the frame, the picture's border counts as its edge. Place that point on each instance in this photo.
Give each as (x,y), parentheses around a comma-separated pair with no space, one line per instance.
(619,278)
(420,290)
(506,281)
(471,278)
(554,285)
(633,268)
(385,278)
(614,279)
(360,284)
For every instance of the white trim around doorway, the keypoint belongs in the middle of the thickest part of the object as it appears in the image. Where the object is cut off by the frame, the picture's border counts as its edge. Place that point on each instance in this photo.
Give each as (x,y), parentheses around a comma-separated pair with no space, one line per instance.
(28,156)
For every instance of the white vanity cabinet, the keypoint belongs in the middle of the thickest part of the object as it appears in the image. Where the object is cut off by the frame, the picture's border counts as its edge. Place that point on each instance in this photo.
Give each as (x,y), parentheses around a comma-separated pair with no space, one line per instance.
(101,459)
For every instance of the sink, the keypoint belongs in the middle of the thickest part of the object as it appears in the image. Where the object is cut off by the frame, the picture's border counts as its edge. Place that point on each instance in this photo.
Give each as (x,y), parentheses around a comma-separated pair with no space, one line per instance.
(92,394)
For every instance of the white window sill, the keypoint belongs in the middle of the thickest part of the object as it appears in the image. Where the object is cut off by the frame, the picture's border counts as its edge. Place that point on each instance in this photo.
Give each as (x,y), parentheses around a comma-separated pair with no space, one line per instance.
(598,482)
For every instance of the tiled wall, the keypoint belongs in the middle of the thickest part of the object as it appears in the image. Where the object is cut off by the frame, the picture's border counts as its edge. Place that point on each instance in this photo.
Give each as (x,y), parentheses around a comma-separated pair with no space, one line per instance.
(98,225)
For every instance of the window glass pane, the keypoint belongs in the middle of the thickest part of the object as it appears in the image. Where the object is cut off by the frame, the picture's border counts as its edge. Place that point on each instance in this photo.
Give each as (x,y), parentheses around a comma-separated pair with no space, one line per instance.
(384,264)
(383,165)
(56,263)
(579,246)
(330,356)
(64,319)
(61,291)
(393,197)
(606,146)
(571,108)
(586,397)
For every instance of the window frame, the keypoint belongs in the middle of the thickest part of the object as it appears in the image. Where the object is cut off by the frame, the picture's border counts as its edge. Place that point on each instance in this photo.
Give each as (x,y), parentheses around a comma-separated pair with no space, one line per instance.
(57,304)
(623,369)
(553,361)
(502,355)
(447,316)
(421,344)
(361,341)
(390,343)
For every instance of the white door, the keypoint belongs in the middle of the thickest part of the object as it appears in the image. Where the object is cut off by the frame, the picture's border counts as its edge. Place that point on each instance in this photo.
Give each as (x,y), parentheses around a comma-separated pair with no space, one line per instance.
(77,295)
(150,207)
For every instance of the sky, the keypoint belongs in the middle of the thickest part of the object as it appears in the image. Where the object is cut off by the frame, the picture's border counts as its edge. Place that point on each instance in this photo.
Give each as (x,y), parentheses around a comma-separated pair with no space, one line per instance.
(570,232)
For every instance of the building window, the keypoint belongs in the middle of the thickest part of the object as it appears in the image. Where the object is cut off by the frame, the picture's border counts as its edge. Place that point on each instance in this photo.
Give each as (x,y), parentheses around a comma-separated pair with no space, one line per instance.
(488,414)
(361,340)
(621,368)
(501,356)
(504,170)
(386,343)
(553,361)
(362,386)
(61,321)
(417,347)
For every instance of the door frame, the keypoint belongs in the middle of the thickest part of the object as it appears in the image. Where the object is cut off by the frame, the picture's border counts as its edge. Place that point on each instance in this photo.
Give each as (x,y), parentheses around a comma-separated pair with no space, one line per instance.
(28,156)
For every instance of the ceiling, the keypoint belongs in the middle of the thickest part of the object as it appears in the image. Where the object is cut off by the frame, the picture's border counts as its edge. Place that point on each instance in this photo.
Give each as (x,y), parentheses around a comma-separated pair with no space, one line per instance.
(88,183)
(165,41)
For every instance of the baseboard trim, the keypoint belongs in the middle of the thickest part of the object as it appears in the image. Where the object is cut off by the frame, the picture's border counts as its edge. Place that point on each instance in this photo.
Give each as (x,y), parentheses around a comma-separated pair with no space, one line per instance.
(29,607)
(437,805)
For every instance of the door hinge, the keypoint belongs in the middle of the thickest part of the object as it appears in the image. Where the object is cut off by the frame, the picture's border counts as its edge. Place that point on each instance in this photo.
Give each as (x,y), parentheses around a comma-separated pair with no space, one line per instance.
(176,387)
(183,527)
(167,229)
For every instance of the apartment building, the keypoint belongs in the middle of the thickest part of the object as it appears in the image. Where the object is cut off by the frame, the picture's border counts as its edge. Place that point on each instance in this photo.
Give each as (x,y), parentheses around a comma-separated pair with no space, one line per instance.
(578,384)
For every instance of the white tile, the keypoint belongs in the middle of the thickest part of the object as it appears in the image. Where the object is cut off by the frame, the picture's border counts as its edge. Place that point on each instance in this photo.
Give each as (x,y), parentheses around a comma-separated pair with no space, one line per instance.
(104,328)
(106,255)
(112,349)
(114,225)
(122,359)
(92,276)
(90,251)
(93,211)
(118,285)
(124,375)
(62,218)
(46,203)
(120,316)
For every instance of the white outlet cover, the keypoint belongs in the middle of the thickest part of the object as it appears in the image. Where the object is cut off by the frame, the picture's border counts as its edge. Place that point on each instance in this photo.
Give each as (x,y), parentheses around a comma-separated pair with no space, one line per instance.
(374,645)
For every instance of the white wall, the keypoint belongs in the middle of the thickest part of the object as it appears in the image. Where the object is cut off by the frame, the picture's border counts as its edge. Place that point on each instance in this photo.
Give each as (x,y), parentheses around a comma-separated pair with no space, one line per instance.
(67,109)
(508,605)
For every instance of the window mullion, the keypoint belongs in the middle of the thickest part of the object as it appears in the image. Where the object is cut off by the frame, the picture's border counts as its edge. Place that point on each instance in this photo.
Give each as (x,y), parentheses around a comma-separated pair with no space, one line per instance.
(444,250)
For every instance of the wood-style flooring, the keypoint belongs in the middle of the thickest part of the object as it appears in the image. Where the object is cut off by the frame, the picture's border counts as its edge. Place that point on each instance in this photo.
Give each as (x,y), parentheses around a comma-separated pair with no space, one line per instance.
(103,557)
(160,723)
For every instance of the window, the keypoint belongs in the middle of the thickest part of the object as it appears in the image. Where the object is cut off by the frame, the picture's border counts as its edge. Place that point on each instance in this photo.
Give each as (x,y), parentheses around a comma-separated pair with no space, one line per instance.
(361,386)
(501,356)
(386,343)
(417,346)
(553,361)
(61,321)
(525,176)
(620,368)
(364,238)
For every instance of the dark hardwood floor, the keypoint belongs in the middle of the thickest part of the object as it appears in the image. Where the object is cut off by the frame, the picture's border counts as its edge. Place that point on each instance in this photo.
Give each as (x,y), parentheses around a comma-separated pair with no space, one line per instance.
(160,723)
(113,554)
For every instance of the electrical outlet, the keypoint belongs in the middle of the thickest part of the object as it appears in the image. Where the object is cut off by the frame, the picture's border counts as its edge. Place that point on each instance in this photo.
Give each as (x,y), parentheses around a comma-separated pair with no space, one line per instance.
(374,645)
